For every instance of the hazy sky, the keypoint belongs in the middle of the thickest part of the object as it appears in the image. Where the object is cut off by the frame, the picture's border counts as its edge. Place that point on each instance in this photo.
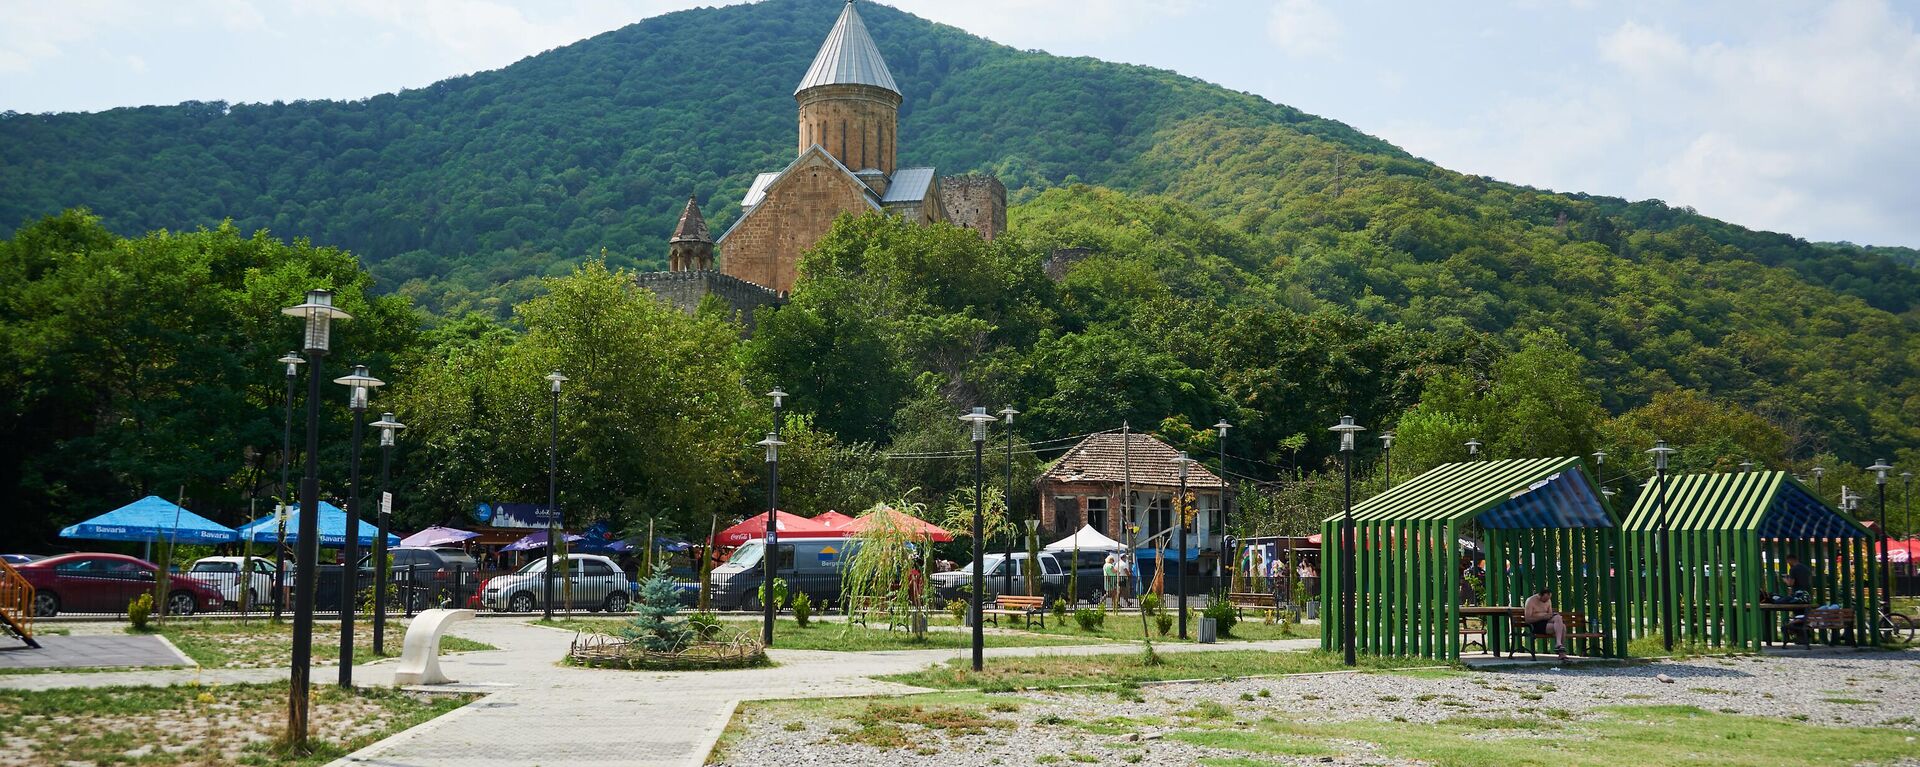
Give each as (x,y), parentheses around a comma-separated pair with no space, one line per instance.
(1799,117)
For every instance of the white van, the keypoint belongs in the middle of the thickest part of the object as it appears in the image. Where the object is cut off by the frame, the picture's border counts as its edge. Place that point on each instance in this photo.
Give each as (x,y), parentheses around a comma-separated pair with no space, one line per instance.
(224,574)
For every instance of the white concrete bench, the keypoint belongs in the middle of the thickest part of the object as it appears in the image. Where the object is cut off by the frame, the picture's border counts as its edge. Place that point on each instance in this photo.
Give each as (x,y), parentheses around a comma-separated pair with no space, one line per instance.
(420,656)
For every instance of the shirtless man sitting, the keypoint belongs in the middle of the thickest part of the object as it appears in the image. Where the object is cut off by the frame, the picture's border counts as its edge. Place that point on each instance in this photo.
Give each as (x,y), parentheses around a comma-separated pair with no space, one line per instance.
(1541,618)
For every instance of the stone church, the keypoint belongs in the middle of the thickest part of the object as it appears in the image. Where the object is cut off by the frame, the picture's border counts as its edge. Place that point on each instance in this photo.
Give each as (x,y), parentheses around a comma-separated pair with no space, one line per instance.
(848,139)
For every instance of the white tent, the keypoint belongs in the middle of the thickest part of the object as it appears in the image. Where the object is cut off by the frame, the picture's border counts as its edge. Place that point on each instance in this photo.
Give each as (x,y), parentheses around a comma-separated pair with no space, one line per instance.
(1086,539)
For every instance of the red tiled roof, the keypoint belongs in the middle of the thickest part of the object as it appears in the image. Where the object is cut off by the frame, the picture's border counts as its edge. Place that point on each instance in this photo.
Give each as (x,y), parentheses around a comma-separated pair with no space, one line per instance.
(1113,458)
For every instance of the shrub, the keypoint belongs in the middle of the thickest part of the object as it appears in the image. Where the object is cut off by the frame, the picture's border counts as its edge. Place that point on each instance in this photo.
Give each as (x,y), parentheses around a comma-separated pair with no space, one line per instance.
(1148,657)
(958,607)
(705,625)
(779,593)
(1089,620)
(1150,604)
(1060,609)
(802,609)
(139,610)
(1220,609)
(1163,622)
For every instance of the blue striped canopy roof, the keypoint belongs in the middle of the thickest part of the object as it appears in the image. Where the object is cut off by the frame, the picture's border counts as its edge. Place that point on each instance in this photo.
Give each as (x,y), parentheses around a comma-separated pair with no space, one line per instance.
(333,528)
(151,519)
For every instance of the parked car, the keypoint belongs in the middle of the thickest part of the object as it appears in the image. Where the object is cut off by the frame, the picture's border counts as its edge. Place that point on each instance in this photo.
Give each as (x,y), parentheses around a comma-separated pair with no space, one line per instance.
(810,566)
(105,583)
(431,576)
(597,583)
(958,584)
(20,559)
(224,574)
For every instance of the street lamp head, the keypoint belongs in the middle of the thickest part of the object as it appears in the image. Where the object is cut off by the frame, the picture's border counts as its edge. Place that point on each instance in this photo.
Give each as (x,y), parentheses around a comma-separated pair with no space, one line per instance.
(979,419)
(1386,440)
(319,313)
(1599,457)
(1473,447)
(292,360)
(1819,471)
(778,397)
(1880,468)
(1007,413)
(1346,427)
(554,379)
(1222,427)
(1660,452)
(1608,492)
(772,444)
(388,427)
(1908,476)
(1746,467)
(1183,461)
(359,386)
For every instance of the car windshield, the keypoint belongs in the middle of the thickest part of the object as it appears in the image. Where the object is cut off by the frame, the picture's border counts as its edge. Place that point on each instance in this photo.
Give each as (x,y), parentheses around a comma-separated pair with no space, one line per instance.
(747,555)
(216,567)
(536,566)
(989,563)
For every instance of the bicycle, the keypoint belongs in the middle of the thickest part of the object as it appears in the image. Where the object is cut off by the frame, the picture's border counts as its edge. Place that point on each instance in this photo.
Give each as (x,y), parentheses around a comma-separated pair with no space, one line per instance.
(1893,627)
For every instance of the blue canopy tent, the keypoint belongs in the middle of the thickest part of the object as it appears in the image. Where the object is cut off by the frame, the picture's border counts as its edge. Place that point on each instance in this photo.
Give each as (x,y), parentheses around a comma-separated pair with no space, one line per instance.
(151,519)
(333,528)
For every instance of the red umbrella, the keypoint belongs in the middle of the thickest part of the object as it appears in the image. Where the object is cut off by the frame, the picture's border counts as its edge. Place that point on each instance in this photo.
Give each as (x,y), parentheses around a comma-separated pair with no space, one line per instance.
(833,520)
(755,528)
(1901,551)
(907,522)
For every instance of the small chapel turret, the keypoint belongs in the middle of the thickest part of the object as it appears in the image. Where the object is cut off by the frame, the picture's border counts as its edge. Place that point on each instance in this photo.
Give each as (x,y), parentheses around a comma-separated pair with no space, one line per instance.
(691,248)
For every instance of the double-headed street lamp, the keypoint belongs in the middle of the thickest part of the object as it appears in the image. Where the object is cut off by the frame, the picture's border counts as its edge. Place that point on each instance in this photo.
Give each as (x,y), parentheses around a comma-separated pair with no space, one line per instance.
(1226,518)
(1006,565)
(293,361)
(384,520)
(1346,428)
(1662,544)
(319,313)
(554,380)
(1184,508)
(360,388)
(978,419)
(1880,468)
(768,548)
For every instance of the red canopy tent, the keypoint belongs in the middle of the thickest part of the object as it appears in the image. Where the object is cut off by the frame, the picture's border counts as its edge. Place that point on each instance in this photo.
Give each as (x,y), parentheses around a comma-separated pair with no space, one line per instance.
(1900,552)
(908,522)
(755,528)
(832,520)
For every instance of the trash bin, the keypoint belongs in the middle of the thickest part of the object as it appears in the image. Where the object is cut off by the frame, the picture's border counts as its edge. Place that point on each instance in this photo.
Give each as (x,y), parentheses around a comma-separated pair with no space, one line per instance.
(1209,631)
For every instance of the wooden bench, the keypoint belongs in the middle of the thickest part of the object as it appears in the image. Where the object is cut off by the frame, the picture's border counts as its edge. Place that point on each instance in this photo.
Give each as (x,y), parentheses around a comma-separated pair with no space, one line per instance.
(1024,607)
(1251,600)
(1469,635)
(865,608)
(1525,636)
(1831,619)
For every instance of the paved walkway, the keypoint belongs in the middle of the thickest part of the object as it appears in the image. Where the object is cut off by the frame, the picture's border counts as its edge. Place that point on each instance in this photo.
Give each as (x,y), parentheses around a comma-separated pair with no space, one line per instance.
(555,715)
(57,651)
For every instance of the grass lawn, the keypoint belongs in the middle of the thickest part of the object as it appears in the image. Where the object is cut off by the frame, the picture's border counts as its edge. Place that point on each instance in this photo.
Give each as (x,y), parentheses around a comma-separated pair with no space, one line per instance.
(1667,735)
(264,643)
(787,635)
(192,725)
(1044,671)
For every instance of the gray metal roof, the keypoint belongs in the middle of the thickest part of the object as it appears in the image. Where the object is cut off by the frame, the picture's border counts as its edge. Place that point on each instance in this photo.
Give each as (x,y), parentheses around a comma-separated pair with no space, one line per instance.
(848,57)
(908,185)
(758,191)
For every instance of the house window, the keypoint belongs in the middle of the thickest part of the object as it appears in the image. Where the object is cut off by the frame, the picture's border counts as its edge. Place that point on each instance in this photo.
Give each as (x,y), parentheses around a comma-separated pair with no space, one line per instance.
(1097,513)
(1066,514)
(1159,514)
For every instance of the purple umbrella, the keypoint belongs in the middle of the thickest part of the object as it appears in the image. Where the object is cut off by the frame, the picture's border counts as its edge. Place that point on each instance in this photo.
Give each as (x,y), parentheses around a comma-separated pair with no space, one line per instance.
(538,540)
(437,536)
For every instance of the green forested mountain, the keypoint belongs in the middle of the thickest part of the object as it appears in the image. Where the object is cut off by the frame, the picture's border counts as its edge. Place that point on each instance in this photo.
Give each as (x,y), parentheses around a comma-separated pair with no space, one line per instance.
(1242,259)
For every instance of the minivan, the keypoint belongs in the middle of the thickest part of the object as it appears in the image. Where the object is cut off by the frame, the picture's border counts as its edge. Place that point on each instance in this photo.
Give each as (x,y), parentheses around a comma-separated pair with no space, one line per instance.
(958,584)
(810,566)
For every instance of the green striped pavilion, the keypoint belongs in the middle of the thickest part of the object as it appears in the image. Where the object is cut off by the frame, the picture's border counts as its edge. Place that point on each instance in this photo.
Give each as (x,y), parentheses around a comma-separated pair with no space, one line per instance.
(1539,521)
(1729,535)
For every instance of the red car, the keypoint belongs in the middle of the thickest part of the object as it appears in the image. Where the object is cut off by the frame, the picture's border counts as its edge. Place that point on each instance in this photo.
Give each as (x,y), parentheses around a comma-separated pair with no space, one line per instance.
(105,583)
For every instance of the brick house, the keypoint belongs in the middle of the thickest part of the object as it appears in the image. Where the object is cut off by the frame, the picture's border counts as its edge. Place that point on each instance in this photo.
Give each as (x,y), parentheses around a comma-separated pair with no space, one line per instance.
(1086,485)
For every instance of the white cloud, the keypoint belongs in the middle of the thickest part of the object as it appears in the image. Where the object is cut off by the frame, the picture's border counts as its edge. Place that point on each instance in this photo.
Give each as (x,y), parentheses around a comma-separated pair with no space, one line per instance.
(1302,28)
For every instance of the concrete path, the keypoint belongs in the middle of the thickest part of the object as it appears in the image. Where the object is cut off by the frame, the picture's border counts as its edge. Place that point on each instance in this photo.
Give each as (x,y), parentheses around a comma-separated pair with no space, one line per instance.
(67,652)
(542,713)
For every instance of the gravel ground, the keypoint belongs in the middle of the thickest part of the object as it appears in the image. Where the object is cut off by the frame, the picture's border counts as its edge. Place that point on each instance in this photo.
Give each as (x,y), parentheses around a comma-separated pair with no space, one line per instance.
(1841,689)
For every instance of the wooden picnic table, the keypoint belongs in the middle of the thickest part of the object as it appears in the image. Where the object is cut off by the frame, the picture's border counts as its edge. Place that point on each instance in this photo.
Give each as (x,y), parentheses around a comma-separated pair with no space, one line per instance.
(1487,614)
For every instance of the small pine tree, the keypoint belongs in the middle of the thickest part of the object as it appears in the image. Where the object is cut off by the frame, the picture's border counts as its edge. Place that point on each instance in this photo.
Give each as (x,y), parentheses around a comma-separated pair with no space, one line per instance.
(654,625)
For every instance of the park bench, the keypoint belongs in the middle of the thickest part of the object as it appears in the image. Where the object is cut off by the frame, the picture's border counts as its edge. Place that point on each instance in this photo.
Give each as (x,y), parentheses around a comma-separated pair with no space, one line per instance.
(420,655)
(1250,600)
(1577,629)
(860,610)
(1832,619)
(1024,607)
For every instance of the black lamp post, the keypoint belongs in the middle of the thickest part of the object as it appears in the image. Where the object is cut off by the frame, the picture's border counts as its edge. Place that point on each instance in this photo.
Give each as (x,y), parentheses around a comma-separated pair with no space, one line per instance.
(979,420)
(1347,428)
(319,313)
(384,522)
(554,379)
(1184,509)
(1880,468)
(1226,517)
(293,361)
(360,387)
(769,548)
(1386,459)
(1662,545)
(1006,564)
(1818,472)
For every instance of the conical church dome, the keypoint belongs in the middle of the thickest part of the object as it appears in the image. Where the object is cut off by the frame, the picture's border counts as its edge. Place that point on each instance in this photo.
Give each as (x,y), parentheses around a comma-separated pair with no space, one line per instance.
(848,57)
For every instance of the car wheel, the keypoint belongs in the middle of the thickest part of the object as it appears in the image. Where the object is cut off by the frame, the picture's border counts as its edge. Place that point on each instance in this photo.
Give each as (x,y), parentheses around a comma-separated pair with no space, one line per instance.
(180,603)
(616,602)
(45,604)
(521,603)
